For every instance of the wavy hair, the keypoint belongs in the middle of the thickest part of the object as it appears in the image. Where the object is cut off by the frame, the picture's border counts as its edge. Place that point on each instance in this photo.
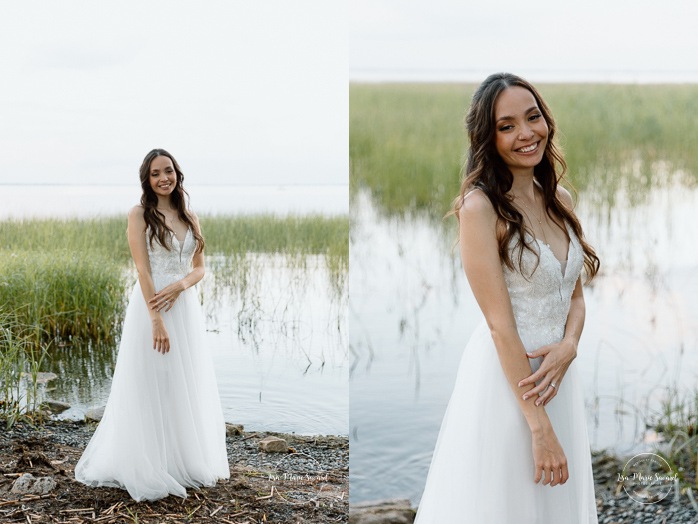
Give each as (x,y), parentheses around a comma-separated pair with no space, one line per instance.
(179,198)
(486,170)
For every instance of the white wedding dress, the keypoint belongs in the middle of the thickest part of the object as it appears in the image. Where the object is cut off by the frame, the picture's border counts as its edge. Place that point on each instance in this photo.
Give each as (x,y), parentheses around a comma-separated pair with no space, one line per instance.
(482,469)
(163,428)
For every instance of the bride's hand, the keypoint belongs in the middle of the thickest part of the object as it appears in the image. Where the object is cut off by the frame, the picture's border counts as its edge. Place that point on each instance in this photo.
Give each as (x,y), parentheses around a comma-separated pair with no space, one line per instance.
(161,339)
(549,458)
(556,359)
(164,299)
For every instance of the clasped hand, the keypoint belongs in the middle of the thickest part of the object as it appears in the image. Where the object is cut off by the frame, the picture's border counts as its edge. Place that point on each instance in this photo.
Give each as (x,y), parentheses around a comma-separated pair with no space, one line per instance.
(556,359)
(164,299)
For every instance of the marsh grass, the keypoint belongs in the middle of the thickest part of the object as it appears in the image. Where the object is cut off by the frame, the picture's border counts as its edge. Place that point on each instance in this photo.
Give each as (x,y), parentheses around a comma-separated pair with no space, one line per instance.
(407,141)
(68,277)
(20,362)
(63,295)
(677,422)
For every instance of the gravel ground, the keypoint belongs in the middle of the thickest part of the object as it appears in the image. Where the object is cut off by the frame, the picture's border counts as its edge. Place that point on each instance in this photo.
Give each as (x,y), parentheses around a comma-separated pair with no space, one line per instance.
(616,507)
(307,485)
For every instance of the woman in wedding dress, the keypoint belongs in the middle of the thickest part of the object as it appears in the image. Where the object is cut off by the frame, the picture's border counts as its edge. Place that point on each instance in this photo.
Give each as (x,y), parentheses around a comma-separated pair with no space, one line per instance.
(162,429)
(513,444)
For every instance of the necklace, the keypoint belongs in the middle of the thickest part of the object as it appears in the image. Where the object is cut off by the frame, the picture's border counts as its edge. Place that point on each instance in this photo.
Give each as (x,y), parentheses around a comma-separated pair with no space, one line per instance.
(539,220)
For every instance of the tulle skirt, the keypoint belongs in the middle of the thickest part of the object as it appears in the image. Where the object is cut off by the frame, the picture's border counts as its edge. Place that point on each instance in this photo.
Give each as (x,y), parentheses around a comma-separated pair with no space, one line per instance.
(482,469)
(162,429)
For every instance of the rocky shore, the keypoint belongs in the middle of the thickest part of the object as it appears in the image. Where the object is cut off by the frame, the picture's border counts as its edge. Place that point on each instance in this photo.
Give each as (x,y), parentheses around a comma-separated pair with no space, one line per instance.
(614,506)
(290,478)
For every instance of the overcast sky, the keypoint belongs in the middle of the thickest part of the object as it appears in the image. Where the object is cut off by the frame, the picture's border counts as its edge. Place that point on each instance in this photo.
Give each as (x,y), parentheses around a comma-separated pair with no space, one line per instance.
(607,40)
(238,91)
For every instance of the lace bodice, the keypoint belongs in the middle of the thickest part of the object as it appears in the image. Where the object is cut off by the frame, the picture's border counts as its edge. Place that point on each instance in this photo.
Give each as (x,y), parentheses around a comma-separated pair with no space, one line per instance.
(540,296)
(167,266)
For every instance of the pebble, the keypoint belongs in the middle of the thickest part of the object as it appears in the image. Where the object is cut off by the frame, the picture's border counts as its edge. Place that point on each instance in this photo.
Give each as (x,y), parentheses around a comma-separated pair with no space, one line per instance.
(95,414)
(273,445)
(234,430)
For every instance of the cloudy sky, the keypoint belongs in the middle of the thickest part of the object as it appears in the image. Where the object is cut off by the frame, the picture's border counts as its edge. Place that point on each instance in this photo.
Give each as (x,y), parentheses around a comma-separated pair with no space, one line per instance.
(239,91)
(607,40)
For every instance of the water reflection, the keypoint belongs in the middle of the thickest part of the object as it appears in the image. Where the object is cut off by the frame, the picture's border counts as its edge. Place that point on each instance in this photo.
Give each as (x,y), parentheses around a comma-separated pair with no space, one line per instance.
(277,331)
(411,313)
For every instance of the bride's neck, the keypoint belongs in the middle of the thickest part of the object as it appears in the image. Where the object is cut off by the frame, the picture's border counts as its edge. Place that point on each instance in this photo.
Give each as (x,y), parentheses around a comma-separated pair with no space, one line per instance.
(524,186)
(164,204)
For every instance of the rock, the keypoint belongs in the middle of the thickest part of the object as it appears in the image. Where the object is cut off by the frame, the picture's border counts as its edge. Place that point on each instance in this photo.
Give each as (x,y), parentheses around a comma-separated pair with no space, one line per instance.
(397,511)
(27,483)
(55,406)
(23,484)
(95,415)
(41,377)
(43,485)
(273,445)
(233,430)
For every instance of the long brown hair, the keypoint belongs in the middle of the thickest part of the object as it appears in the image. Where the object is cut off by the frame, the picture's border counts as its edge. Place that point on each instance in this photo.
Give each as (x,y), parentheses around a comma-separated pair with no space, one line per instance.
(179,198)
(486,170)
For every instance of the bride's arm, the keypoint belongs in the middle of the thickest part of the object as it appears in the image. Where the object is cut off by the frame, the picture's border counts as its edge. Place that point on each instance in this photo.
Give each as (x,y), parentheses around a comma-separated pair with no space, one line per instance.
(165,298)
(139,252)
(480,257)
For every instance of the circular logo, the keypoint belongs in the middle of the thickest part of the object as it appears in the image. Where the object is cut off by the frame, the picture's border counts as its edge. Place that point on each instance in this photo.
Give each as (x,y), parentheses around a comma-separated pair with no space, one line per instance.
(647,478)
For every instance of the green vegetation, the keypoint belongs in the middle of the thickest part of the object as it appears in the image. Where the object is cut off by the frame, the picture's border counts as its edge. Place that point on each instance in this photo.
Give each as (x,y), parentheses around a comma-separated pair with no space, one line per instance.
(677,422)
(20,361)
(225,235)
(68,279)
(407,141)
(63,294)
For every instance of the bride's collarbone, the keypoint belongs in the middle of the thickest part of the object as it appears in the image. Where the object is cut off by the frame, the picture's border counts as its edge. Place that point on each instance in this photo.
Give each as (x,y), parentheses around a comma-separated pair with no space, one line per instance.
(554,236)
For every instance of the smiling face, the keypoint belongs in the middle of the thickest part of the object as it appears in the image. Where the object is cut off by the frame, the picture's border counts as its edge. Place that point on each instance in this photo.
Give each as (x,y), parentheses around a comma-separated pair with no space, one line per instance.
(163,178)
(521,130)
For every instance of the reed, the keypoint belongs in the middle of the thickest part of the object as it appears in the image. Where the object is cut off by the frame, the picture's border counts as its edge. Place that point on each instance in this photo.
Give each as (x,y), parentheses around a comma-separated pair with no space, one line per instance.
(407,141)
(68,277)
(20,362)
(677,422)
(225,235)
(63,294)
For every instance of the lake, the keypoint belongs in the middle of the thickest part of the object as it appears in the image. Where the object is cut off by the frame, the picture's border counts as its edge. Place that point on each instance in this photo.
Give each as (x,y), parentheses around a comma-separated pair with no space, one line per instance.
(411,314)
(630,155)
(279,343)
(49,200)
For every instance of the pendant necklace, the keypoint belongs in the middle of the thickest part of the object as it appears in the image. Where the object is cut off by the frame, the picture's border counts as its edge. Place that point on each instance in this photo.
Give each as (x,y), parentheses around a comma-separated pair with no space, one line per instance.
(540,222)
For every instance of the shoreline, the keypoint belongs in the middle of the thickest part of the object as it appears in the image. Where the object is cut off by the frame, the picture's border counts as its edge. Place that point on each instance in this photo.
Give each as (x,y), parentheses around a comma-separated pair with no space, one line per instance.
(307,484)
(613,505)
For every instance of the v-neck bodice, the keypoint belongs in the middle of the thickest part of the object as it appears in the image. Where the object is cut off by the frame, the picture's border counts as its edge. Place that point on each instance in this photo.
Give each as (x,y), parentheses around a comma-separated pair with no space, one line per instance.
(169,265)
(541,289)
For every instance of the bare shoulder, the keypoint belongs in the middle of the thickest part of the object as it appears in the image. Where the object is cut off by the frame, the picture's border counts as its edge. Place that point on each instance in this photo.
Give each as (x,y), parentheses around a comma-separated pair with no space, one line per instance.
(477,207)
(565,197)
(136,212)
(135,216)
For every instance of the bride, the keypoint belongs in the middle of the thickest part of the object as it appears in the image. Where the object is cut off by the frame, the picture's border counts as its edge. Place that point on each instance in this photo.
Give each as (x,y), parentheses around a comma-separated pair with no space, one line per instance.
(513,443)
(162,429)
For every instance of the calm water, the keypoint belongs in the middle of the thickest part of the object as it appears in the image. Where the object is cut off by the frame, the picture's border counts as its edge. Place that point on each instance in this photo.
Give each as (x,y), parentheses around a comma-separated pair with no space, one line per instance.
(83,201)
(279,346)
(411,314)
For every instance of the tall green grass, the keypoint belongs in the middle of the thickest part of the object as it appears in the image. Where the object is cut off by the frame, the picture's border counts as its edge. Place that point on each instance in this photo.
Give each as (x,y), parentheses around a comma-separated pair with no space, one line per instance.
(407,141)
(68,278)
(20,361)
(677,421)
(225,235)
(63,294)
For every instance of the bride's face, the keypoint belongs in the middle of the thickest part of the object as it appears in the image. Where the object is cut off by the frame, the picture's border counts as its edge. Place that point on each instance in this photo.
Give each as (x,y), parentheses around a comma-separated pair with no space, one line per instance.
(521,129)
(163,178)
